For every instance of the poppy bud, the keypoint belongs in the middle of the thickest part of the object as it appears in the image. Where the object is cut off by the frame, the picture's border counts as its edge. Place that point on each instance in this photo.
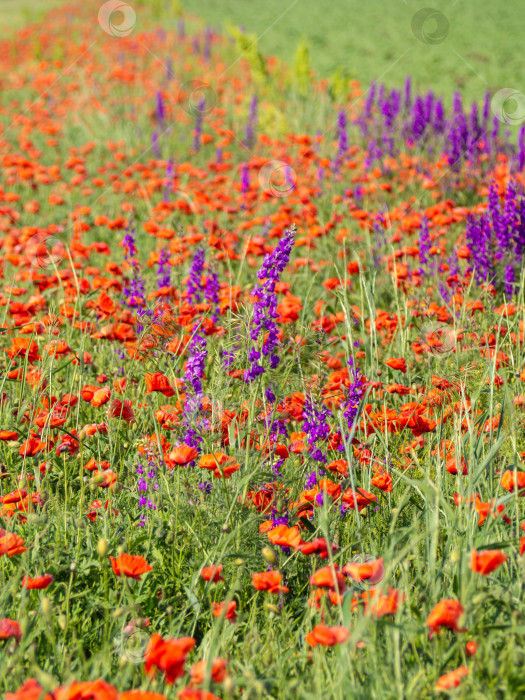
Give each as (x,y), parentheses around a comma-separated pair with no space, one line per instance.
(118,612)
(273,608)
(228,685)
(269,555)
(239,562)
(455,556)
(45,605)
(115,488)
(62,622)
(479,599)
(22,483)
(13,444)
(102,547)
(226,527)
(73,566)
(99,479)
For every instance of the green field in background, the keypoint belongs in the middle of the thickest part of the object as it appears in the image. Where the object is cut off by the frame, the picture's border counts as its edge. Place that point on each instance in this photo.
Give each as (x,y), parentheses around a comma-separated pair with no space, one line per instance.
(371,40)
(16,13)
(374,39)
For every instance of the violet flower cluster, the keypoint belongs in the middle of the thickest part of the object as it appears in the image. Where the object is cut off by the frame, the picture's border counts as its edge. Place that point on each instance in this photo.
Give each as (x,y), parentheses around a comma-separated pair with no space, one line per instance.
(392,120)
(356,392)
(134,290)
(163,269)
(251,125)
(264,331)
(316,427)
(342,142)
(496,239)
(197,353)
(147,484)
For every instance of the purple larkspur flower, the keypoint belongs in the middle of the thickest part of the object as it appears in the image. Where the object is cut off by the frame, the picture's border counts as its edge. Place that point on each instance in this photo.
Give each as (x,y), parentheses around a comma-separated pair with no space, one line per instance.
(263,326)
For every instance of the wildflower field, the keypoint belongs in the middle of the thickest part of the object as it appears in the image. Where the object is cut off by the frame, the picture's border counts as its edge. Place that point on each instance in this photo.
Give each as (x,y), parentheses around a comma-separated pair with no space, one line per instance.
(262,397)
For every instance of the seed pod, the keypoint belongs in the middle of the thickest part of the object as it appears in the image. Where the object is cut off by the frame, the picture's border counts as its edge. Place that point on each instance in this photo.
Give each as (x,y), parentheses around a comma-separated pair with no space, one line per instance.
(269,555)
(45,606)
(102,548)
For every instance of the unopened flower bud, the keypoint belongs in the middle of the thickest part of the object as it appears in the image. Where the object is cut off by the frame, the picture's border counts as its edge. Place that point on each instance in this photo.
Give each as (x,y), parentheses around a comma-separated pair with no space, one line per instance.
(102,547)
(269,555)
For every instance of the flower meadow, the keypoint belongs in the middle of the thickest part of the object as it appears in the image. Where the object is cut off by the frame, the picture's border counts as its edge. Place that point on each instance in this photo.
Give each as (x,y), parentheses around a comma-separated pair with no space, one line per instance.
(262,391)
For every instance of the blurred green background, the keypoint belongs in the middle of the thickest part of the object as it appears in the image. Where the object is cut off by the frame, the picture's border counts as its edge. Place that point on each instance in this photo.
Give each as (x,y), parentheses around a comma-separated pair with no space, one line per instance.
(374,39)
(467,45)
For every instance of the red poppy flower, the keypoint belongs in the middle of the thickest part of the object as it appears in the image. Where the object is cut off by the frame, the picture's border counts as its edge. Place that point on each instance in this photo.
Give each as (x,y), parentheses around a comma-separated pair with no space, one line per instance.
(10,543)
(217,671)
(269,581)
(130,565)
(38,582)
(183,454)
(452,679)
(327,636)
(10,628)
(446,613)
(226,609)
(487,561)
(168,656)
(369,571)
(397,363)
(159,382)
(212,573)
(512,480)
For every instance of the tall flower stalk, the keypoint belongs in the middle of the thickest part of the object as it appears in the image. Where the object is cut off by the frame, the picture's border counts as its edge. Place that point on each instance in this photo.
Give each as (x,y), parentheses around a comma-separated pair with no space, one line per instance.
(264,331)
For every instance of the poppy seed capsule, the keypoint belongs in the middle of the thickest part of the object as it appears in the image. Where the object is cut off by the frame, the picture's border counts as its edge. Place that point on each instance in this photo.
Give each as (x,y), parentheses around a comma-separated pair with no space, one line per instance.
(228,685)
(273,608)
(45,605)
(455,556)
(269,555)
(102,547)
